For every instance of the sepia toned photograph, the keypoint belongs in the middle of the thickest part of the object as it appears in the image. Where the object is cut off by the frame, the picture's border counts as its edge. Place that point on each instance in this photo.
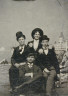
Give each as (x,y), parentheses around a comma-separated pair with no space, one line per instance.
(33,47)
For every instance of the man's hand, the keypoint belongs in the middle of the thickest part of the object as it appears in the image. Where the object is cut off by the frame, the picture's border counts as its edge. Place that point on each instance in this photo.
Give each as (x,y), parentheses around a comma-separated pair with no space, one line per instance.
(29,74)
(23,63)
(46,70)
(30,44)
(17,65)
(40,51)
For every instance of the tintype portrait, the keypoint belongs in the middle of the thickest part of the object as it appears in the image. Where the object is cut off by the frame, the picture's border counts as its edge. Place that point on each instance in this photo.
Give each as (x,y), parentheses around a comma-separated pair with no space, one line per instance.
(33,48)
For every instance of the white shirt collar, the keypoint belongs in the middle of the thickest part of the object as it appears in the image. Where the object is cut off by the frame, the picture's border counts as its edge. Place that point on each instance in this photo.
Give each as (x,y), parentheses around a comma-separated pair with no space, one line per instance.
(46,51)
(36,40)
(21,48)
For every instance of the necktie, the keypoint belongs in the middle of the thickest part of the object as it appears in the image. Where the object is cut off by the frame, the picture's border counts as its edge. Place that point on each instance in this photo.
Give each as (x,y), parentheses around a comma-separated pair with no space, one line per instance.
(22,49)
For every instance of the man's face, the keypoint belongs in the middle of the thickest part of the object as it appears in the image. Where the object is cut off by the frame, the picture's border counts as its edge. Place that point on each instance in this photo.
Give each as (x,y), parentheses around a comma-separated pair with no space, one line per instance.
(30,59)
(45,43)
(37,36)
(21,41)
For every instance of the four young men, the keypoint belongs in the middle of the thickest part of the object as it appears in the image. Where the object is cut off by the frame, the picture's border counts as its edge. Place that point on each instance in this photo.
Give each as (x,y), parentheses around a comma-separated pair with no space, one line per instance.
(32,63)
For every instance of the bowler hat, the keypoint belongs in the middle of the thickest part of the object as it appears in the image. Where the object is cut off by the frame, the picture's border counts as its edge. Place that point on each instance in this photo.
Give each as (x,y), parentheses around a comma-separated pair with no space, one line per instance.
(44,37)
(19,34)
(37,30)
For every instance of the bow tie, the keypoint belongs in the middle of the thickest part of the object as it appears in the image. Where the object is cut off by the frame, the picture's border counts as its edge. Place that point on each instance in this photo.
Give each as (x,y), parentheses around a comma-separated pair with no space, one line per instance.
(30,65)
(21,49)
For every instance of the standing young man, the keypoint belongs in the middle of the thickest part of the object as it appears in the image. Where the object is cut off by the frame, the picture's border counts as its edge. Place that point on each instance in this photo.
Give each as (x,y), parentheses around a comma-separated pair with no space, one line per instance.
(48,63)
(18,58)
(34,45)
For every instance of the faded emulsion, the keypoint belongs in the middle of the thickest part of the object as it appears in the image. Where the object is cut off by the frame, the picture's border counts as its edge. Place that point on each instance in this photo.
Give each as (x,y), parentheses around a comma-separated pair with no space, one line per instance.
(23,0)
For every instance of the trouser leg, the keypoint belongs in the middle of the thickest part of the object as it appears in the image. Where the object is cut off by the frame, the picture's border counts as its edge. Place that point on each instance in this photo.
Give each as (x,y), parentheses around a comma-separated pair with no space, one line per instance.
(37,84)
(13,76)
(50,81)
(34,86)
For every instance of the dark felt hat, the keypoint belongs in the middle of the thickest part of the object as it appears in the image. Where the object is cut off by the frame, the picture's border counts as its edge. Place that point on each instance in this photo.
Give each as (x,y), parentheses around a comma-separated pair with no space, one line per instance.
(30,54)
(37,30)
(44,37)
(19,34)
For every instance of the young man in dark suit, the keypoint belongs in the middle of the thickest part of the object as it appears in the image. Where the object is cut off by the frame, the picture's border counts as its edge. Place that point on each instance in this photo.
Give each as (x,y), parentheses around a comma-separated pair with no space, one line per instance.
(34,45)
(48,63)
(31,76)
(18,58)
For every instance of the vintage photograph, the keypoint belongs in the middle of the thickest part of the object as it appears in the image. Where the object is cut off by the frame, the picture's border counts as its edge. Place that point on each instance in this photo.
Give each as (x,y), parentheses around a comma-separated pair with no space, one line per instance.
(33,47)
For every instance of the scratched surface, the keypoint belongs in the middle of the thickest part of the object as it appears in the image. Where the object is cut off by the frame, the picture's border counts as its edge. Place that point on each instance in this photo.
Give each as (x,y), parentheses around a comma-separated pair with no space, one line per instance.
(4,83)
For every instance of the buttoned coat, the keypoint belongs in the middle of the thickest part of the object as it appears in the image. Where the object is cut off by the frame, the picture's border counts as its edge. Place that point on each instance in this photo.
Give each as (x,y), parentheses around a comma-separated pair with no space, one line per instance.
(49,60)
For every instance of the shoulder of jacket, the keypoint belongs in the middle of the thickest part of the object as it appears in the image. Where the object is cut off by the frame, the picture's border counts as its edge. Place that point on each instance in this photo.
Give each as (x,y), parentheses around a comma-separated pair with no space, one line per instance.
(51,50)
(16,48)
(30,42)
(24,65)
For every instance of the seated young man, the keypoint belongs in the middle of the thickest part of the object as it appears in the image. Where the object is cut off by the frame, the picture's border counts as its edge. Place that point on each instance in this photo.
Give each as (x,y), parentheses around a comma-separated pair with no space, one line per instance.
(31,76)
(48,63)
(17,59)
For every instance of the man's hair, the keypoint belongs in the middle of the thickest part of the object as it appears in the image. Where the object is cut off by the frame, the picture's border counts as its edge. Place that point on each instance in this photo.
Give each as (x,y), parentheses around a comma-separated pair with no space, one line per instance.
(20,34)
(37,30)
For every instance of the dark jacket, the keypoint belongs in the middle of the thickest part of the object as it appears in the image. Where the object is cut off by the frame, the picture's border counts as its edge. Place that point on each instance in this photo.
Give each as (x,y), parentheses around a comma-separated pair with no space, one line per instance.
(48,61)
(32,48)
(17,57)
(35,70)
(27,80)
